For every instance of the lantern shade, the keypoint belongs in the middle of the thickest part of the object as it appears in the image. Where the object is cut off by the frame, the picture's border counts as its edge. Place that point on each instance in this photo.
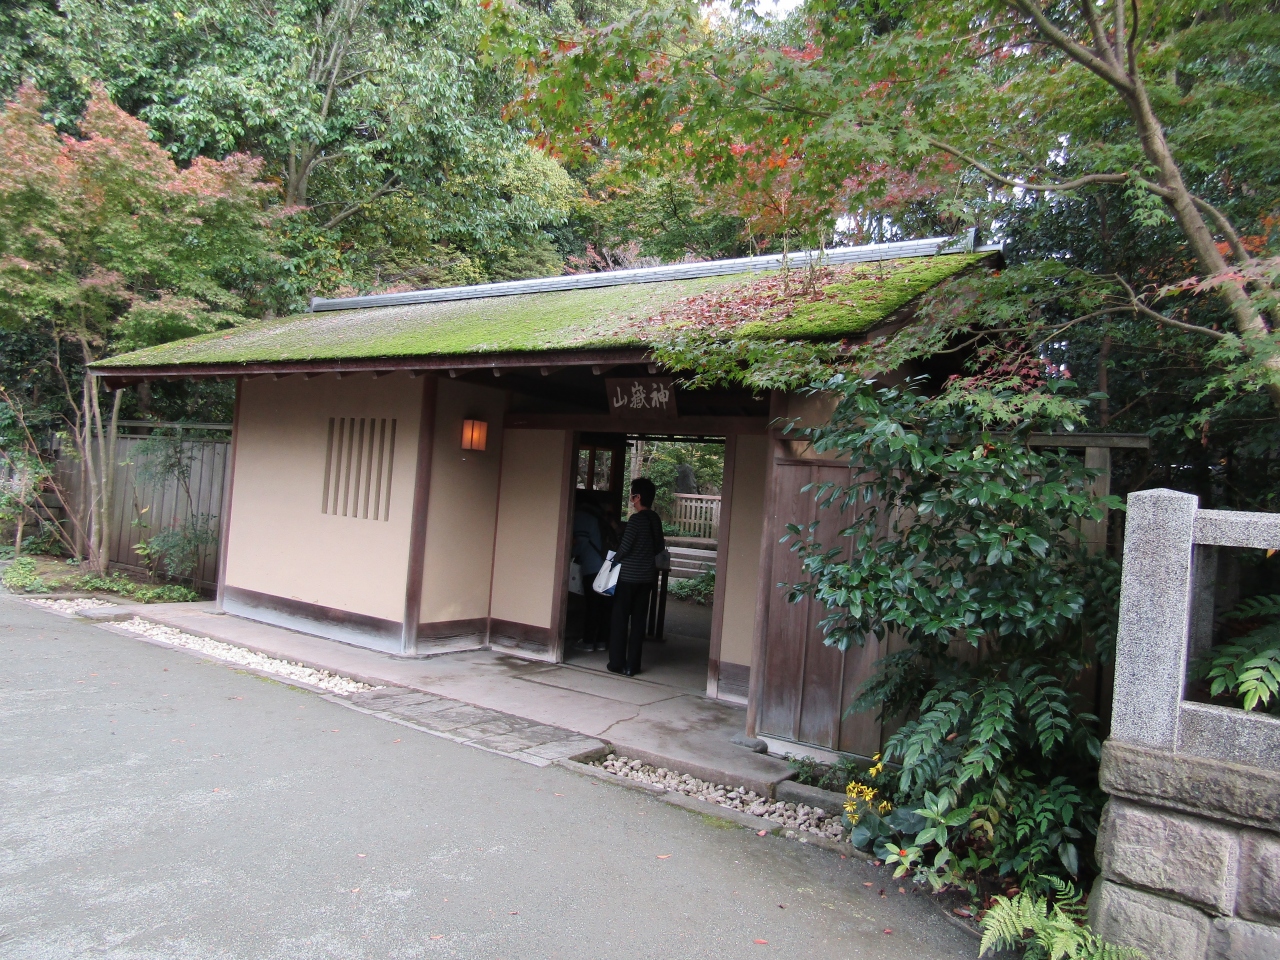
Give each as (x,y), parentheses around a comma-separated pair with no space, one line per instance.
(475,433)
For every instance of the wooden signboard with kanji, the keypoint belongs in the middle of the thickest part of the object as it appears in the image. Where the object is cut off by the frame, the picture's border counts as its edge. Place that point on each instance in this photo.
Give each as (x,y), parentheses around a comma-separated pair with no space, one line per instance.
(641,396)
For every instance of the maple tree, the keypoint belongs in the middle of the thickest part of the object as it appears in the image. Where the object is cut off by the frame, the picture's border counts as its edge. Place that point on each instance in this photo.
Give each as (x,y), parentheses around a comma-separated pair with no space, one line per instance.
(106,244)
(861,106)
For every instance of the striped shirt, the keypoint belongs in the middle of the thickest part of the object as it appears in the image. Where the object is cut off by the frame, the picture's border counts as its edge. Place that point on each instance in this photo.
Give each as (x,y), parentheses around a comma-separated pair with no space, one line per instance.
(642,540)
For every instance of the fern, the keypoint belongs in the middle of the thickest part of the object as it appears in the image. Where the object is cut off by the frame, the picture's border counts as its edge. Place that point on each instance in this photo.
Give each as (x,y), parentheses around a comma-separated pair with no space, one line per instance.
(1256,607)
(1248,669)
(1057,932)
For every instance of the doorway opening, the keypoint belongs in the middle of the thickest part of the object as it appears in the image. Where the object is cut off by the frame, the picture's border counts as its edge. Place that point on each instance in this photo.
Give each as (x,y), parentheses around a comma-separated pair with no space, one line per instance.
(689,475)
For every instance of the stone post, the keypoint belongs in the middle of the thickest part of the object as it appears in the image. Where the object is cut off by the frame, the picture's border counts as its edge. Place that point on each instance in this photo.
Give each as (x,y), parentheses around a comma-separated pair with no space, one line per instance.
(1189,844)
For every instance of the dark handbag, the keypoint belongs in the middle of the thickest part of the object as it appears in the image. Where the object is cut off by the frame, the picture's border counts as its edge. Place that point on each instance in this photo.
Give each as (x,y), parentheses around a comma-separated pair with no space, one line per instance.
(661,559)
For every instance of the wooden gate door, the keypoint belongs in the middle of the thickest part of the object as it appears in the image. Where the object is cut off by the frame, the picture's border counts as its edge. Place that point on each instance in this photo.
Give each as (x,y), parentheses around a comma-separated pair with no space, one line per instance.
(808,686)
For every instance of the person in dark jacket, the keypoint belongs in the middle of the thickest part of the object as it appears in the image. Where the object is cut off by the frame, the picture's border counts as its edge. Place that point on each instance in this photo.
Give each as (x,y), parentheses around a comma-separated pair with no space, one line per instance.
(642,540)
(591,538)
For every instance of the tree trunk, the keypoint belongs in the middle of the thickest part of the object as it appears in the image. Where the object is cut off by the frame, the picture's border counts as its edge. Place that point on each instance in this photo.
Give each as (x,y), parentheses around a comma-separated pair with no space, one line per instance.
(1249,323)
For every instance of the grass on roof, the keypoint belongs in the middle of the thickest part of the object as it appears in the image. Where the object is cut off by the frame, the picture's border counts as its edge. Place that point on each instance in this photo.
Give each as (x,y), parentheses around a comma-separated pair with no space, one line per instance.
(603,317)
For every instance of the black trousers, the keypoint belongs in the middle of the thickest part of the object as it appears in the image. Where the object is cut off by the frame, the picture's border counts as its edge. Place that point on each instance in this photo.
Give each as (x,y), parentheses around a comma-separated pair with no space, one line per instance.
(630,609)
(595,617)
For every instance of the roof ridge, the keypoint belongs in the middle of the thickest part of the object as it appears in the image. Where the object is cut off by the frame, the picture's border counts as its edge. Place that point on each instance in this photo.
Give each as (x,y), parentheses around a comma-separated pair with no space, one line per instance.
(898,250)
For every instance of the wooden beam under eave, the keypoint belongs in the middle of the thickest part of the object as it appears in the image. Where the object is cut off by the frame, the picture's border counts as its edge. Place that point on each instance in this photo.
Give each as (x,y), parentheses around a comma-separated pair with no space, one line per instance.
(462,363)
(280,376)
(311,376)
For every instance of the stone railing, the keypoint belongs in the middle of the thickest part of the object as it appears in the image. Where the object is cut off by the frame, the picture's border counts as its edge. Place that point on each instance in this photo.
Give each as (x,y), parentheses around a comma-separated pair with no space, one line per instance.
(1190,839)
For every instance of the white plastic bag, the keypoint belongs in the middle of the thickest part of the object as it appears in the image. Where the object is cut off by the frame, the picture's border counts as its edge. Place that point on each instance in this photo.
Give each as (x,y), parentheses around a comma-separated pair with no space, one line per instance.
(607,579)
(575,578)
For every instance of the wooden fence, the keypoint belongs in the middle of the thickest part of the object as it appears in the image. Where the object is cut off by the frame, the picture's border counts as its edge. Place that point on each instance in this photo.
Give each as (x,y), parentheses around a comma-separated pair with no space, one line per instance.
(697,515)
(140,509)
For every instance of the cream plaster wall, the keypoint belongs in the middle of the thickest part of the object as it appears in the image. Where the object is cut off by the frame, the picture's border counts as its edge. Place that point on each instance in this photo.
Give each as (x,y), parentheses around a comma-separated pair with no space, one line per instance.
(525,578)
(746,526)
(462,507)
(280,542)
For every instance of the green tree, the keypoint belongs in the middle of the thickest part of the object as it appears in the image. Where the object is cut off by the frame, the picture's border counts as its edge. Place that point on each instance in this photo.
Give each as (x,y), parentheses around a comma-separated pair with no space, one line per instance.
(862,106)
(383,120)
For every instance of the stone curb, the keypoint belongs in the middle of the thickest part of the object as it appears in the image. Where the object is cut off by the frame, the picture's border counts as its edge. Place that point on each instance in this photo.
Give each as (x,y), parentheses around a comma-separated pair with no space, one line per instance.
(793,792)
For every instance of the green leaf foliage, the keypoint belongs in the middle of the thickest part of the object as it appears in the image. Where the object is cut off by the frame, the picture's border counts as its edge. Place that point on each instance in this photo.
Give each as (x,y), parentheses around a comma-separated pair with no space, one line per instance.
(957,538)
(1047,928)
(1246,671)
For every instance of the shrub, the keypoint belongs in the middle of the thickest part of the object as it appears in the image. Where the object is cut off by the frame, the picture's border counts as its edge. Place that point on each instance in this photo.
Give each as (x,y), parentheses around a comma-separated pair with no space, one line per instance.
(960,540)
(21,574)
(700,589)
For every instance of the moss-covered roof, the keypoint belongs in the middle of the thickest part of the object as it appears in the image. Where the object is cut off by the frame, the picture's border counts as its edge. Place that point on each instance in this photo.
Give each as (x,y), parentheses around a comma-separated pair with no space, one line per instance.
(854,300)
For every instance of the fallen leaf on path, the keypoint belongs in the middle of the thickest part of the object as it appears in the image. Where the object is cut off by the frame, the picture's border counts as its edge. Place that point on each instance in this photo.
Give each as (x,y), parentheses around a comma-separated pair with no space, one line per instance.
(355,889)
(963,912)
(559,794)
(868,884)
(762,833)
(397,740)
(888,930)
(902,889)
(515,913)
(663,856)
(762,942)
(437,936)
(361,854)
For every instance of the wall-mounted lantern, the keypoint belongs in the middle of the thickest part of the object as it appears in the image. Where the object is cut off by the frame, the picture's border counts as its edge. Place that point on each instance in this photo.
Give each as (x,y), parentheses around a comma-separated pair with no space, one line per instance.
(474,434)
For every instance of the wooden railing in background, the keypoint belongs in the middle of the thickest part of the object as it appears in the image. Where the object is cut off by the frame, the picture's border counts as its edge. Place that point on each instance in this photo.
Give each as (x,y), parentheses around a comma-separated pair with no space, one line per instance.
(697,515)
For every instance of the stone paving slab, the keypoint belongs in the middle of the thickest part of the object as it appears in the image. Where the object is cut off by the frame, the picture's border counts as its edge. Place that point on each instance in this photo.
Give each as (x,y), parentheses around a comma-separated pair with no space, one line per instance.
(492,730)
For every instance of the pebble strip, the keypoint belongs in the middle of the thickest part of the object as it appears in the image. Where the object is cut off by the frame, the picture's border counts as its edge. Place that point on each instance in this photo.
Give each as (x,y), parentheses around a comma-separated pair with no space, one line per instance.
(332,682)
(71,606)
(800,818)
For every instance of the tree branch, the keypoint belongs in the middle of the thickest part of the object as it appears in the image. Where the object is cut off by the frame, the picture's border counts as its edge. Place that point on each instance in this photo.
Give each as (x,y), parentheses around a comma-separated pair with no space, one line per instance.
(1228,231)
(987,171)
(391,184)
(1099,34)
(1141,308)
(1076,51)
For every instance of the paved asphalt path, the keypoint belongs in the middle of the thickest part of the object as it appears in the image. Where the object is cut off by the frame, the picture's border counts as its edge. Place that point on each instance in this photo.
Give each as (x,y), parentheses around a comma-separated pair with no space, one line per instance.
(156,805)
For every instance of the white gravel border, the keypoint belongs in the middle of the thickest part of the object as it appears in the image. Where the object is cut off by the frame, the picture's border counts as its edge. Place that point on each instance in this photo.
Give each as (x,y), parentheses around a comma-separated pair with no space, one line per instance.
(70,606)
(323,679)
(798,818)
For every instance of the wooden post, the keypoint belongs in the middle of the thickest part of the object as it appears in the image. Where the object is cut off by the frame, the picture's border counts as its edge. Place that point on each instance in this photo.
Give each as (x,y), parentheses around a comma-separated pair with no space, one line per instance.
(418,519)
(1094,532)
(224,542)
